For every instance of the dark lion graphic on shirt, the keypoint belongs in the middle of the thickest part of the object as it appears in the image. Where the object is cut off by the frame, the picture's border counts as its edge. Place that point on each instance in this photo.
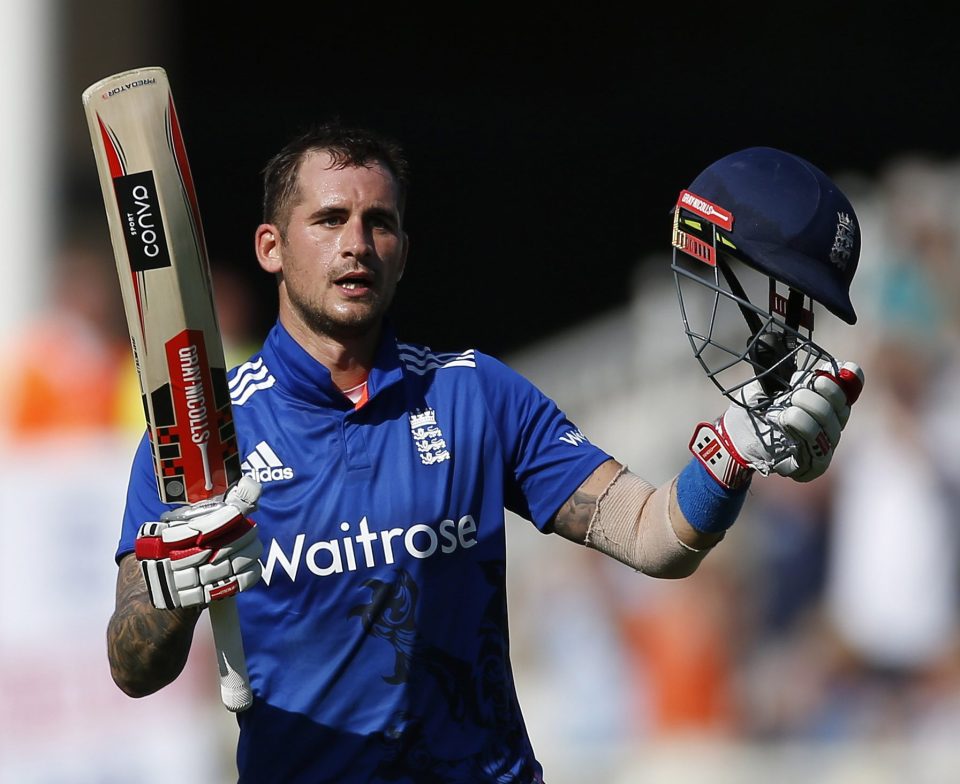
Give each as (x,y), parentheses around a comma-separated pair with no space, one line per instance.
(477,693)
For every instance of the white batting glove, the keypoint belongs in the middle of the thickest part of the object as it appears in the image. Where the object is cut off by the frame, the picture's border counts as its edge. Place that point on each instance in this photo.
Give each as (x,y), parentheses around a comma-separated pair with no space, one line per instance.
(796,436)
(204,552)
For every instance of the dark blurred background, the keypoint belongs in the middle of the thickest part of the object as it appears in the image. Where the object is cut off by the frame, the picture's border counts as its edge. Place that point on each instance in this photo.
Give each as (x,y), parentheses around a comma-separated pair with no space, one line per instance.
(548,143)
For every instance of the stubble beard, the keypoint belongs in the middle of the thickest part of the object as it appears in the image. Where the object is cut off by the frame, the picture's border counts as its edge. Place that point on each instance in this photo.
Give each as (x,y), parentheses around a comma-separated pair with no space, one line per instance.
(337,326)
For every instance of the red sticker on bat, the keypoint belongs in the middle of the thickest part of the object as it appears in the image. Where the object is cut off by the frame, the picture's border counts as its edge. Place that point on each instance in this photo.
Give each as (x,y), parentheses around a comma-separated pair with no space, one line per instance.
(202,453)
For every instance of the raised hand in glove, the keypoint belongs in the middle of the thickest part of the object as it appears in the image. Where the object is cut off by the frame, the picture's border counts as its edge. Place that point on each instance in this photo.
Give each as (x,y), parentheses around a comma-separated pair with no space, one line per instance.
(795,436)
(204,552)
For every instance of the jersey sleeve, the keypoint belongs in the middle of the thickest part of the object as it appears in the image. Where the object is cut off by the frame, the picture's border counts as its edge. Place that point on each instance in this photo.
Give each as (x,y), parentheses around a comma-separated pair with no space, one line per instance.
(143,502)
(546,456)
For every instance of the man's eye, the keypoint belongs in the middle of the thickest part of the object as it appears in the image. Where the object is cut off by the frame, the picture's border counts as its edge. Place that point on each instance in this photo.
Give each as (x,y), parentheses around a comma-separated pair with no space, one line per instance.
(330,220)
(383,224)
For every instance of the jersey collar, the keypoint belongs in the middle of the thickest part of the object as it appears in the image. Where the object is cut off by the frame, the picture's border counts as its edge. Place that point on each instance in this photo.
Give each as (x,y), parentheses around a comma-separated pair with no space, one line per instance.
(309,380)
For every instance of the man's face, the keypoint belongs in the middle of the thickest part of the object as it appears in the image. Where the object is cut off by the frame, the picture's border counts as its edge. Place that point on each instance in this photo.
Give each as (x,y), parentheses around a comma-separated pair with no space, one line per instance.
(343,249)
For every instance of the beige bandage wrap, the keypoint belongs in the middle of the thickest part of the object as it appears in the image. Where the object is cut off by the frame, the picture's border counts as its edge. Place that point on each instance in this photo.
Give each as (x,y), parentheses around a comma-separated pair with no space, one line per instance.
(632,524)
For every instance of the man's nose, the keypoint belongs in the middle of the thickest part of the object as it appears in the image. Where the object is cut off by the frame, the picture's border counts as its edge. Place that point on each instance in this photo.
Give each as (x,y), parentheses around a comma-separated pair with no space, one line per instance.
(355,239)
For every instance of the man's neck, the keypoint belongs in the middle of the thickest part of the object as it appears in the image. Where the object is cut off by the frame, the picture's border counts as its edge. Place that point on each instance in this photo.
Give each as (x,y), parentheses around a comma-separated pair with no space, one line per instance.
(349,359)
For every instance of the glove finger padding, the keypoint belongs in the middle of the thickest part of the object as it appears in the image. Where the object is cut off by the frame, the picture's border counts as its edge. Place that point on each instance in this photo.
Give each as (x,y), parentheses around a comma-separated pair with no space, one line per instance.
(851,378)
(827,387)
(842,389)
(809,452)
(161,583)
(802,466)
(821,420)
(813,429)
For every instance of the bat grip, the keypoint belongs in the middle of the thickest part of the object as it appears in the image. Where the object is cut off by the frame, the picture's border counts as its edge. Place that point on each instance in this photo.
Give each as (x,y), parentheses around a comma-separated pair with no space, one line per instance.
(234,683)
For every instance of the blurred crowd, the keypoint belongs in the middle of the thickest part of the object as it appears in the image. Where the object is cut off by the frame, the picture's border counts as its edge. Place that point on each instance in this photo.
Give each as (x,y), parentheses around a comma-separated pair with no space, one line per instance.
(830,614)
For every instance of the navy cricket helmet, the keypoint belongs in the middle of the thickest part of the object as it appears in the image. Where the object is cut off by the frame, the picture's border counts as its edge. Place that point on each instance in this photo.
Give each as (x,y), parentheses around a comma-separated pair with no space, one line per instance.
(771,212)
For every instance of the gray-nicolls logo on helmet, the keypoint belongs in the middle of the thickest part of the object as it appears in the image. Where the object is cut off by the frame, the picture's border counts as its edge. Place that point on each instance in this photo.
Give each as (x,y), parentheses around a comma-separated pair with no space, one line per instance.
(764,234)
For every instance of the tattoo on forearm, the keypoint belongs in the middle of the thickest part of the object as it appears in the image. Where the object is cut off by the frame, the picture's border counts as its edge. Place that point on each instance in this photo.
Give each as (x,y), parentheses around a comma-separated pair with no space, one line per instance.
(147,648)
(574,516)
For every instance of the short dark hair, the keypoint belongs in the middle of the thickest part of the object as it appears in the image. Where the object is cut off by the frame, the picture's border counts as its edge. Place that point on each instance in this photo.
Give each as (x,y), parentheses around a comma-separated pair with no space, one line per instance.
(348,146)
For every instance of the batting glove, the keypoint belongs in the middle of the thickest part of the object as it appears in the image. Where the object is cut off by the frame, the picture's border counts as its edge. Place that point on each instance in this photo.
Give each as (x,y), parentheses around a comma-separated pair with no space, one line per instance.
(795,436)
(201,553)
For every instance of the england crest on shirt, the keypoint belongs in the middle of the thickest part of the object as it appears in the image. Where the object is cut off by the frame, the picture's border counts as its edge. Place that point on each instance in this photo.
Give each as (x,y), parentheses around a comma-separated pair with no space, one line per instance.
(427,437)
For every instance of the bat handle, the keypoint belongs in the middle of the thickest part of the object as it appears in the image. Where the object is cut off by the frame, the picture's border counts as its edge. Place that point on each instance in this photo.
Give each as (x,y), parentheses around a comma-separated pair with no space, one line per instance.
(234,683)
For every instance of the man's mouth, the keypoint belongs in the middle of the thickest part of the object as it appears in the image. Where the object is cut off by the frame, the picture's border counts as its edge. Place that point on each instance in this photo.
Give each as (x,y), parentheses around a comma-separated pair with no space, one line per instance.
(356,282)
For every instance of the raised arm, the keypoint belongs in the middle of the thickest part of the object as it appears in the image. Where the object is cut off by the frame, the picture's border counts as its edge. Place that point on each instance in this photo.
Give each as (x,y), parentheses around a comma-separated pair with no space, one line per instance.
(666,531)
(194,556)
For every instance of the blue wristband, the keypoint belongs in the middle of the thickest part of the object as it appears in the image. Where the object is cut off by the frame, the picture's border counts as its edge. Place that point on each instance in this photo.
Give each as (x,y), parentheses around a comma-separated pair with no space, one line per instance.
(708,506)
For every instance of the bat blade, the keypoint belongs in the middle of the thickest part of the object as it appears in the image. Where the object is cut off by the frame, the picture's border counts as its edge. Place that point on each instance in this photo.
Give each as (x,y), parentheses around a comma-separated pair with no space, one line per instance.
(164,272)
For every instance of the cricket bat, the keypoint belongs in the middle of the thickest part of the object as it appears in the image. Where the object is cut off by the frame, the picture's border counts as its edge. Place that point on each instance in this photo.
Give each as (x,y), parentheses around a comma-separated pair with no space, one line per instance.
(165,283)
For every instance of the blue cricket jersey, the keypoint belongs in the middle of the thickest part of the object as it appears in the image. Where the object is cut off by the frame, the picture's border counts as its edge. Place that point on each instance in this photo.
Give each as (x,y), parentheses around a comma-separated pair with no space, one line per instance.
(377,641)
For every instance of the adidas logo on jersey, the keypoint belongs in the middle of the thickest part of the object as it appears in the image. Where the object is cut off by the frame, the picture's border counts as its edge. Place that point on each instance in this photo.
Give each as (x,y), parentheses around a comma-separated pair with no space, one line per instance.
(263,465)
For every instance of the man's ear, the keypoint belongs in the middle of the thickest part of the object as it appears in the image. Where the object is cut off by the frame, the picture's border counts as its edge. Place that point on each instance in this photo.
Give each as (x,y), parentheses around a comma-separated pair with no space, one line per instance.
(267,242)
